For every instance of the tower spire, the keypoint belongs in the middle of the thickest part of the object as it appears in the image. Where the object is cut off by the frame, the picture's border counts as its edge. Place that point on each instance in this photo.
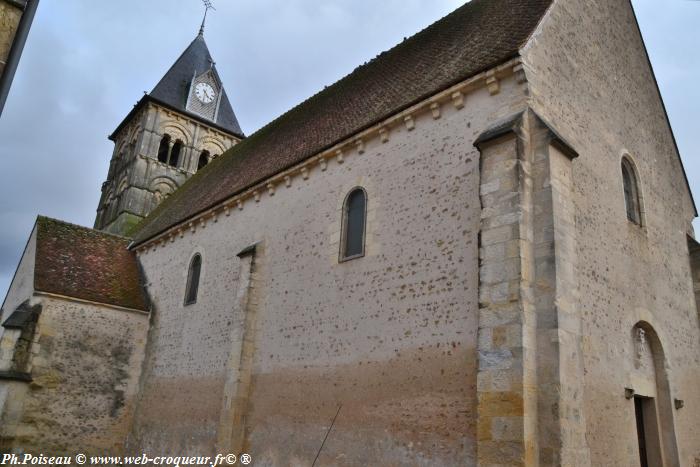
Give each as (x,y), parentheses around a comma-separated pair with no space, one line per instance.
(207,7)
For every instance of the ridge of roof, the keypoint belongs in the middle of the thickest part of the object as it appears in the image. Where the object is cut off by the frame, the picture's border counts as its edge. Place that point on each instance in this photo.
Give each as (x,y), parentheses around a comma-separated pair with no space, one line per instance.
(477,36)
(88,264)
(47,219)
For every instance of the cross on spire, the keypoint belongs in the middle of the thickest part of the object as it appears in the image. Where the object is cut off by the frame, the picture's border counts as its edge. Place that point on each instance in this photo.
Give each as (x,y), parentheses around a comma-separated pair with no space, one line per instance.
(207,6)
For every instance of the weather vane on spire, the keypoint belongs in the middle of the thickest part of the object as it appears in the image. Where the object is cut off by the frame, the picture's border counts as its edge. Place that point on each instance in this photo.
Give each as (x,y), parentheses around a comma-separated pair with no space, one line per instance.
(207,6)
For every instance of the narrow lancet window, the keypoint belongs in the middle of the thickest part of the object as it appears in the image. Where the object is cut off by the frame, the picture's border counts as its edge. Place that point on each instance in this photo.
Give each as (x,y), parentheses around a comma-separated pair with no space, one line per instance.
(175,153)
(193,280)
(631,188)
(354,220)
(164,149)
(203,160)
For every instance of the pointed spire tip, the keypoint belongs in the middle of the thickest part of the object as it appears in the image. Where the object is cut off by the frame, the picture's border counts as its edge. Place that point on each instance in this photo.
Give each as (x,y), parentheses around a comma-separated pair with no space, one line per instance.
(207,6)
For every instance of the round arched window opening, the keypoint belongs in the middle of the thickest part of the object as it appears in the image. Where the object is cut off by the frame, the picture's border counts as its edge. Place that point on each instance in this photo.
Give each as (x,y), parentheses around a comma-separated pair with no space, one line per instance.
(175,153)
(193,274)
(630,184)
(164,149)
(203,160)
(352,243)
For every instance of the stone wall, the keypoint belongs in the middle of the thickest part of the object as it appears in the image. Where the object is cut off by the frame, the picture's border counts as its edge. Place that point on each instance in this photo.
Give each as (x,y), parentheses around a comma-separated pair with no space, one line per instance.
(10,15)
(590,77)
(85,367)
(22,285)
(12,391)
(529,338)
(506,373)
(387,341)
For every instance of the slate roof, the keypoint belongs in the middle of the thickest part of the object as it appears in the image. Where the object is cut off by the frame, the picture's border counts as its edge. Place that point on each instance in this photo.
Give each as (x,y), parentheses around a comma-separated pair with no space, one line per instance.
(173,88)
(477,36)
(88,264)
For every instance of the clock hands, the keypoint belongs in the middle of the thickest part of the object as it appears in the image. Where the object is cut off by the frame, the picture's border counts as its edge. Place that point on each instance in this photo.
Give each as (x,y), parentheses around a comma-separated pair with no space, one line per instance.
(205,93)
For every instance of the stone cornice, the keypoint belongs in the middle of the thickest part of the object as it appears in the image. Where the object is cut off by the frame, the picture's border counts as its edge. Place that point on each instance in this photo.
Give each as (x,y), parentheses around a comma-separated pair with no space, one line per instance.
(455,96)
(148,99)
(197,120)
(89,302)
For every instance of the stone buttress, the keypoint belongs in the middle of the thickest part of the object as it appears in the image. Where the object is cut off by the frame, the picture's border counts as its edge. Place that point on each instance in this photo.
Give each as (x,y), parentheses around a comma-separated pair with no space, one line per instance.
(529,371)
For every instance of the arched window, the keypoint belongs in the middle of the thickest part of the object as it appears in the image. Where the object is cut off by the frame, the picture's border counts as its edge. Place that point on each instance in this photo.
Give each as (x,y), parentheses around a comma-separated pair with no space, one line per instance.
(203,159)
(164,149)
(193,280)
(175,153)
(631,187)
(354,219)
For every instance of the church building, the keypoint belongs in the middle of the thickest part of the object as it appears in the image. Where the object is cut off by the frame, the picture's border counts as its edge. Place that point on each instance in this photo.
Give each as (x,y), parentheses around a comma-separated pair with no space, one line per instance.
(475,249)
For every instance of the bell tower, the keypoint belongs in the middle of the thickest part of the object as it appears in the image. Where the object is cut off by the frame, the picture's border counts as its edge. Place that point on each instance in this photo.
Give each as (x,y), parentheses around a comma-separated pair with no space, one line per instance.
(170,134)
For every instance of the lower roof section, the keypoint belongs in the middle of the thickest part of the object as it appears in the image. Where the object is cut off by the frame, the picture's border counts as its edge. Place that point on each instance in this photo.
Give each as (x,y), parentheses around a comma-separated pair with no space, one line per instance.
(87,264)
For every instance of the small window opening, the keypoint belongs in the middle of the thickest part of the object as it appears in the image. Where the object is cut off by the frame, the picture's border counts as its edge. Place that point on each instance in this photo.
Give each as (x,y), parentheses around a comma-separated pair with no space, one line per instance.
(164,149)
(203,160)
(354,220)
(631,188)
(193,280)
(175,153)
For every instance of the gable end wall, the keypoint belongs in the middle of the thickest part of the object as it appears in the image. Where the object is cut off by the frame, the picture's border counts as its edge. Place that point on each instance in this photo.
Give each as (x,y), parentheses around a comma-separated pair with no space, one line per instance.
(589,75)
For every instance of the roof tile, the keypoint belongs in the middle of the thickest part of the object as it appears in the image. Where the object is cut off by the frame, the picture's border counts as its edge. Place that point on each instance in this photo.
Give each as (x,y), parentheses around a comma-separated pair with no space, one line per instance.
(477,36)
(88,264)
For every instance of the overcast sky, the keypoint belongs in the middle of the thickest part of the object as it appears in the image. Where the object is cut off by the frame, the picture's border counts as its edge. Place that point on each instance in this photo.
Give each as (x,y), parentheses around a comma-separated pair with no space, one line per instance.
(87,62)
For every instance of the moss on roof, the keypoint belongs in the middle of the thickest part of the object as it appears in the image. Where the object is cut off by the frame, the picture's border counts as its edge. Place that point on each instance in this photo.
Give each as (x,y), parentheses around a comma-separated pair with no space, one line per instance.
(475,37)
(88,264)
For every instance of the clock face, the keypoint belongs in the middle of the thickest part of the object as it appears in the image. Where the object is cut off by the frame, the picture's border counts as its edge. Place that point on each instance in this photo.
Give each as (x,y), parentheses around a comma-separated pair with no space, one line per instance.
(204,92)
